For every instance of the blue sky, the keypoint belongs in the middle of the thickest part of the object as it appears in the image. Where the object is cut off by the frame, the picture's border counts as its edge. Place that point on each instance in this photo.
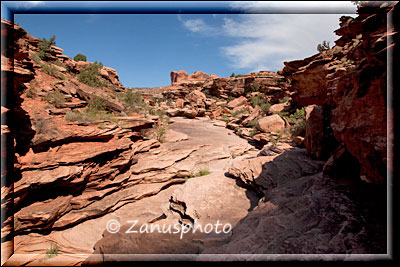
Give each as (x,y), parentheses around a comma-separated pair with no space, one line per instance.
(145,48)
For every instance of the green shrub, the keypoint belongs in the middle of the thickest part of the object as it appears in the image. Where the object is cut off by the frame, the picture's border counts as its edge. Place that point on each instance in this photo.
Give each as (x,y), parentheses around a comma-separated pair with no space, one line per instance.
(161,130)
(238,112)
(133,98)
(232,75)
(255,87)
(298,129)
(55,98)
(52,251)
(261,101)
(299,114)
(58,63)
(45,48)
(284,100)
(252,123)
(225,118)
(253,132)
(95,111)
(36,58)
(96,103)
(90,75)
(297,120)
(31,93)
(89,116)
(80,57)
(322,47)
(257,100)
(203,171)
(265,107)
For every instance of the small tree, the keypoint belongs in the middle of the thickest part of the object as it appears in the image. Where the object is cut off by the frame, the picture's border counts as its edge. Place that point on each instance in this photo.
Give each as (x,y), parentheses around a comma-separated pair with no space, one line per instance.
(232,75)
(324,46)
(45,47)
(90,74)
(80,57)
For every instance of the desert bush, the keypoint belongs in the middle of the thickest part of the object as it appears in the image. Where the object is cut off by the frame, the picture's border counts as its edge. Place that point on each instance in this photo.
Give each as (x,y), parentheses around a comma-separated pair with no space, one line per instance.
(80,57)
(297,120)
(284,99)
(161,130)
(31,93)
(203,171)
(255,87)
(261,101)
(35,58)
(253,132)
(133,98)
(90,75)
(58,63)
(324,46)
(252,123)
(225,118)
(45,48)
(52,251)
(89,116)
(55,98)
(52,71)
(298,129)
(238,112)
(95,111)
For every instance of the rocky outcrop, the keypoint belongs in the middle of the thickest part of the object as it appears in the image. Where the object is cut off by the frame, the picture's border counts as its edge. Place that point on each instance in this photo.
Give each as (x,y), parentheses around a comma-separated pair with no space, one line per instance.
(349,81)
(271,84)
(67,151)
(181,76)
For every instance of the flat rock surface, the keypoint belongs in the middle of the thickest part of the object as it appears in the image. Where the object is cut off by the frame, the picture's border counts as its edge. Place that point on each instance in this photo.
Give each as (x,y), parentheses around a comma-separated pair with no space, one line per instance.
(146,196)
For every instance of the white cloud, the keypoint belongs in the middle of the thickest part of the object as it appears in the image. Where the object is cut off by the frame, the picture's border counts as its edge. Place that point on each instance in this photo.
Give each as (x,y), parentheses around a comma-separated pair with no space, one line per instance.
(286,6)
(265,41)
(195,25)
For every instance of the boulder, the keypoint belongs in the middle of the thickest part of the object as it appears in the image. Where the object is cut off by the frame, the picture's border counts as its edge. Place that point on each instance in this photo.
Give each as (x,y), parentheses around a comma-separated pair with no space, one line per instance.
(173,112)
(273,123)
(196,97)
(262,138)
(278,107)
(253,116)
(237,102)
(190,113)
